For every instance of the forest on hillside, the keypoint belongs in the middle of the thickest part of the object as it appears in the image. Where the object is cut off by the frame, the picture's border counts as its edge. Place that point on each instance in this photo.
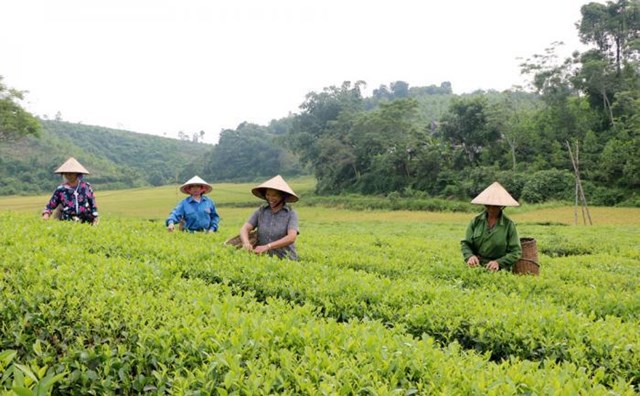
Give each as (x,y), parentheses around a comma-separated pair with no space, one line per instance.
(417,141)
(587,106)
(426,141)
(116,159)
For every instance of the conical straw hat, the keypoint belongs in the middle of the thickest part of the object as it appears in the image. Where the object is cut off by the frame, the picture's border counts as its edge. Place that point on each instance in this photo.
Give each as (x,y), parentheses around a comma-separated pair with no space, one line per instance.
(495,195)
(196,180)
(276,183)
(71,166)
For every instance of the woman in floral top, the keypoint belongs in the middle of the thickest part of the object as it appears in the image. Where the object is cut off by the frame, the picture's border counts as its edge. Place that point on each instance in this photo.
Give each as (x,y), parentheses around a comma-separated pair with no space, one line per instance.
(74,198)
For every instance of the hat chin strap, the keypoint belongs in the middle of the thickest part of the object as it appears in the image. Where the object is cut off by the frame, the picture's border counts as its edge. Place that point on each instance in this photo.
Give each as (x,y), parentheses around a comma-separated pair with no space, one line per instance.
(75,197)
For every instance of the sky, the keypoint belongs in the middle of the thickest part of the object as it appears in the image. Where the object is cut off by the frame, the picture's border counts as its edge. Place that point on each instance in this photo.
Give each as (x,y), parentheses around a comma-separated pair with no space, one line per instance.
(167,66)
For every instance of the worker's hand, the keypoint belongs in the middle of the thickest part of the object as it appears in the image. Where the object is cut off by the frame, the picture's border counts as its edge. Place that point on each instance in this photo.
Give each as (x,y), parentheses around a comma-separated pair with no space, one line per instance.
(493,265)
(45,216)
(473,261)
(262,248)
(171,227)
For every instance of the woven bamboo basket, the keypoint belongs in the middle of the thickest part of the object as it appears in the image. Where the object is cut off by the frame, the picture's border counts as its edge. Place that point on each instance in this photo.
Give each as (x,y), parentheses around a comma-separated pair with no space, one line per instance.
(237,242)
(528,263)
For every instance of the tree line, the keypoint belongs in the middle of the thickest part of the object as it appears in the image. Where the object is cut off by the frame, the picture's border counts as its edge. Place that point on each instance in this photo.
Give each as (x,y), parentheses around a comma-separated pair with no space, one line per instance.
(590,101)
(426,140)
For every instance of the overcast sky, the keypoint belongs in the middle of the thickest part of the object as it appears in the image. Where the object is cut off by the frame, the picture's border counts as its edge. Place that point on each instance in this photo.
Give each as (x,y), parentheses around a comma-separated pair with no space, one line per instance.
(164,66)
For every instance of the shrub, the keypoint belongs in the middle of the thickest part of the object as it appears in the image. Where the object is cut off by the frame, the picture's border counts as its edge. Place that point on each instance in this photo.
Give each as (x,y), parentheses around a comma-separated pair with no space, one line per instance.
(548,185)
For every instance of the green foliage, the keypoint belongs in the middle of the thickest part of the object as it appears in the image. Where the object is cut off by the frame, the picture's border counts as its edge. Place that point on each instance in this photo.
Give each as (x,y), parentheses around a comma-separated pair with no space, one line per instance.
(548,185)
(612,28)
(15,122)
(116,159)
(466,127)
(149,157)
(320,119)
(249,152)
(427,139)
(481,138)
(380,303)
(620,165)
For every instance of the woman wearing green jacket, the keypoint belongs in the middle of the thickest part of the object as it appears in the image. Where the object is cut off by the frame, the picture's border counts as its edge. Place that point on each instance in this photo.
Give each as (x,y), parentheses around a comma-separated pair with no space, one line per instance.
(491,239)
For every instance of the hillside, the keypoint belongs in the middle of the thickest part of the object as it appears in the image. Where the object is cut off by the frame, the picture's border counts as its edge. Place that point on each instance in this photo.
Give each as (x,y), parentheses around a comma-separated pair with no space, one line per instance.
(115,158)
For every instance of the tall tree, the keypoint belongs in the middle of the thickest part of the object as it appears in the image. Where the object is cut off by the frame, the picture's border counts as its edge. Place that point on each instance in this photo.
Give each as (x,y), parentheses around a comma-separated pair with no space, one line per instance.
(613,28)
(246,153)
(386,143)
(465,126)
(611,67)
(320,125)
(552,77)
(400,89)
(513,122)
(598,80)
(15,122)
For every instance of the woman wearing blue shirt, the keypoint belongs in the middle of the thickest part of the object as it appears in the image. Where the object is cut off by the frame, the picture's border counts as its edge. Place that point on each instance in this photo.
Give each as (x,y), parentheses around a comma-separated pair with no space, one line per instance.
(197,212)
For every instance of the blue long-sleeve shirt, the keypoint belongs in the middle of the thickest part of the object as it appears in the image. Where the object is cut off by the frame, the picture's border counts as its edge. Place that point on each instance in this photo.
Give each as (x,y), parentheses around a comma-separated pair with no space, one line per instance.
(197,215)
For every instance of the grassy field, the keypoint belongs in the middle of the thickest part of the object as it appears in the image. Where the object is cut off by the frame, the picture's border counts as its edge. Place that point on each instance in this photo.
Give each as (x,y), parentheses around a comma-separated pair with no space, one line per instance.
(236,200)
(380,303)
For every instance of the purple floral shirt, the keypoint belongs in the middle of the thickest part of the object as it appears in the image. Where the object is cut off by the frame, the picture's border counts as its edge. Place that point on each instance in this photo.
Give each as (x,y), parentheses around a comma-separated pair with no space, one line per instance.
(76,203)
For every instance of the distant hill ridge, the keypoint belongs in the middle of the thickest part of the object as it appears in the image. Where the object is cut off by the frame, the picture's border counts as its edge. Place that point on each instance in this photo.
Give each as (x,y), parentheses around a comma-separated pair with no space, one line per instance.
(116,158)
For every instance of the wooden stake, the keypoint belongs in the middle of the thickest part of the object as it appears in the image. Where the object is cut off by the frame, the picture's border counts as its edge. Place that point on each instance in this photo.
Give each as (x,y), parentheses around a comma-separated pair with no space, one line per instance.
(585,208)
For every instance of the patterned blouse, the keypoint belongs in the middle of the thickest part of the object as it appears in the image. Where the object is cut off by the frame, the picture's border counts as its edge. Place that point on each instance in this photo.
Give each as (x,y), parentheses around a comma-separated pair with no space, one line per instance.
(76,203)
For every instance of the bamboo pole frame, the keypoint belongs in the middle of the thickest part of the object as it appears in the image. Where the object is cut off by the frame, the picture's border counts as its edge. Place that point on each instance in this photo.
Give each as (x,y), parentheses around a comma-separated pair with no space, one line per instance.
(580,196)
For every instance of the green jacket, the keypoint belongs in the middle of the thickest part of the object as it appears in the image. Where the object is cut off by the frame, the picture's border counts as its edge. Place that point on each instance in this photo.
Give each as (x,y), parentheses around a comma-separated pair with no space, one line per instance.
(501,243)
